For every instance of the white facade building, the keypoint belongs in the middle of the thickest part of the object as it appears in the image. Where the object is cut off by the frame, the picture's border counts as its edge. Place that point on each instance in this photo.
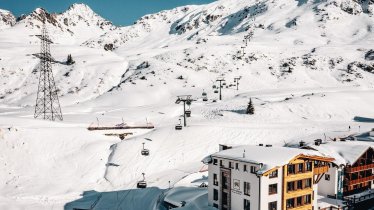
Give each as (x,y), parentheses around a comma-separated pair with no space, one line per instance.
(264,178)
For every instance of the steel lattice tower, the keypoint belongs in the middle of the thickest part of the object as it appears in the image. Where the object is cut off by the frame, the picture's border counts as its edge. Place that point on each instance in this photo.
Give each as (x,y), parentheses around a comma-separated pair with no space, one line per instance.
(47,104)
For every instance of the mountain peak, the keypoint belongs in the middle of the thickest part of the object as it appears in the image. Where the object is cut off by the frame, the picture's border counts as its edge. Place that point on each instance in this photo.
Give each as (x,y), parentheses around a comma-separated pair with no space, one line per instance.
(80,7)
(7,19)
(40,10)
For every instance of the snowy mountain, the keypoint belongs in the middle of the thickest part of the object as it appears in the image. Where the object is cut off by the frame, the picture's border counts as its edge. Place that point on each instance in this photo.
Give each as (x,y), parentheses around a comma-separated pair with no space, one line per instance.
(308,67)
(7,19)
(291,42)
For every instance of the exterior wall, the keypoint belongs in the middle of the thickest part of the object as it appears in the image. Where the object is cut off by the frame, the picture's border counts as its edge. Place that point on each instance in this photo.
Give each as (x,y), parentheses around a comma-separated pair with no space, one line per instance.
(329,188)
(237,176)
(315,196)
(294,194)
(237,195)
(265,197)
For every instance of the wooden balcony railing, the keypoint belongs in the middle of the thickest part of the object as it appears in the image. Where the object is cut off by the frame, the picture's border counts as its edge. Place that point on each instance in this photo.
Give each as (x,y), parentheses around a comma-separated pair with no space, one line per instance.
(320,170)
(360,180)
(359,168)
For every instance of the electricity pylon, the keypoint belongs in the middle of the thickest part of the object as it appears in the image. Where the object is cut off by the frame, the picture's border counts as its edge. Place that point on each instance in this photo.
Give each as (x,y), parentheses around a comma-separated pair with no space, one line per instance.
(47,104)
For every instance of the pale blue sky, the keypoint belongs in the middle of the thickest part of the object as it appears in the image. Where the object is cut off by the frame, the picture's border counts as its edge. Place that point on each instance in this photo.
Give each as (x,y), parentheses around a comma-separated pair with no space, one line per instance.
(120,12)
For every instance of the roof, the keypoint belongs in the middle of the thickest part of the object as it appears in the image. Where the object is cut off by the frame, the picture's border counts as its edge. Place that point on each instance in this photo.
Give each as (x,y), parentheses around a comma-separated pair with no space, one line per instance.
(344,152)
(268,157)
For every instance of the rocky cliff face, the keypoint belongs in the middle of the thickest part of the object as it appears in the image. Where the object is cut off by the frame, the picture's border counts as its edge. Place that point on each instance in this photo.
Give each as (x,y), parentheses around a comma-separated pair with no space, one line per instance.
(7,19)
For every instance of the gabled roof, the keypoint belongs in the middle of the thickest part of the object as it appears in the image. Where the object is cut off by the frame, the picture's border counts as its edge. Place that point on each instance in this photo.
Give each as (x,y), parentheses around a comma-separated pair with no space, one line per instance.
(268,157)
(344,152)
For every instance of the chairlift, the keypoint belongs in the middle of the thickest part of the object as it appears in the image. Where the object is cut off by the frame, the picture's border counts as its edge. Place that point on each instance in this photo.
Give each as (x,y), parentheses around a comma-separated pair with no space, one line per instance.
(188,113)
(142,184)
(179,126)
(145,152)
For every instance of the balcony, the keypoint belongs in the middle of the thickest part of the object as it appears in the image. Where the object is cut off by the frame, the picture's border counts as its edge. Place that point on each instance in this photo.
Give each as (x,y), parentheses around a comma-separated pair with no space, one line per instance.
(359,168)
(321,169)
(360,180)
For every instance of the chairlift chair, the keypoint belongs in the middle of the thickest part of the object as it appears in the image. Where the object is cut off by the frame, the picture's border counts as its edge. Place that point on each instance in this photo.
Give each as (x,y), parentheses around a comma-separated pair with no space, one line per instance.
(145,152)
(188,113)
(214,86)
(142,184)
(179,126)
(215,91)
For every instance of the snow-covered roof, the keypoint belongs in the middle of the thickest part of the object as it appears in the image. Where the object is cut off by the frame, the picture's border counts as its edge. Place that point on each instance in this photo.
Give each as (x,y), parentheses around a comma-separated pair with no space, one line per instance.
(367,136)
(178,195)
(344,152)
(269,157)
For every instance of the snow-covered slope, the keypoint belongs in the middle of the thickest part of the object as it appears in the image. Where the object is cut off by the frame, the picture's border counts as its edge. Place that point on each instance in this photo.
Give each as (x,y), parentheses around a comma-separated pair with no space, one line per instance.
(308,68)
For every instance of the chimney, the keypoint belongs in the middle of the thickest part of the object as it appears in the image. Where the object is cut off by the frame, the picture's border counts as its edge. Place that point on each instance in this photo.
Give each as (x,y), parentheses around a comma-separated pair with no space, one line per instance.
(317,142)
(301,143)
(269,145)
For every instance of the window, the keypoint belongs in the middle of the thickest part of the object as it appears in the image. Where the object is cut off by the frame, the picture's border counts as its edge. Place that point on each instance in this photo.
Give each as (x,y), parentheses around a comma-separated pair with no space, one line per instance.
(247,188)
(299,201)
(290,186)
(215,194)
(274,174)
(225,184)
(215,180)
(308,183)
(290,203)
(230,164)
(215,205)
(300,168)
(215,161)
(237,166)
(300,184)
(247,205)
(245,168)
(272,189)
(221,163)
(253,169)
(291,169)
(309,166)
(273,205)
(327,177)
(307,199)
(224,198)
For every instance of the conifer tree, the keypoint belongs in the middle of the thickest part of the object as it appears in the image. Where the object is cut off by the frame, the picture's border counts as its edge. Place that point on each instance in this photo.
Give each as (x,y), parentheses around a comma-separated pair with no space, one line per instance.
(70,60)
(250,107)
